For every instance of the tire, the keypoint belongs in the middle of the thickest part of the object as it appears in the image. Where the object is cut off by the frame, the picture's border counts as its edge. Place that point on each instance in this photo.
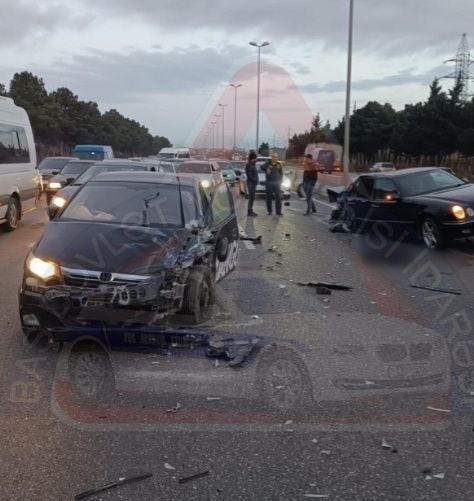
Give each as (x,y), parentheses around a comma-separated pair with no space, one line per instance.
(283,380)
(199,295)
(431,234)
(91,373)
(12,215)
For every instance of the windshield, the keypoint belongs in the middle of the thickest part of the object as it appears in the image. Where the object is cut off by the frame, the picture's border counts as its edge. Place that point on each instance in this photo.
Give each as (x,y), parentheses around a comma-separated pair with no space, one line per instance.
(194,168)
(75,167)
(222,165)
(53,163)
(167,155)
(132,204)
(97,169)
(90,155)
(428,182)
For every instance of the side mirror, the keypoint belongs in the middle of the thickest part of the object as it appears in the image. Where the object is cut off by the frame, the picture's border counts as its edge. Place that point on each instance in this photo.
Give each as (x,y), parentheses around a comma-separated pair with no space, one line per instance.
(55,173)
(69,180)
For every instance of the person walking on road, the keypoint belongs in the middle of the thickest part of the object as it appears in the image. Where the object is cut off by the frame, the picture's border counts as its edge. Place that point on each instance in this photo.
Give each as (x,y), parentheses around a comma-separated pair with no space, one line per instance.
(310,177)
(274,176)
(252,181)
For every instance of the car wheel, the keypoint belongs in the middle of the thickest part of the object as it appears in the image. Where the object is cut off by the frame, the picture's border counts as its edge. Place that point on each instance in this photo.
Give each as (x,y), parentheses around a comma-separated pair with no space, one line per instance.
(12,215)
(283,380)
(431,234)
(91,373)
(199,295)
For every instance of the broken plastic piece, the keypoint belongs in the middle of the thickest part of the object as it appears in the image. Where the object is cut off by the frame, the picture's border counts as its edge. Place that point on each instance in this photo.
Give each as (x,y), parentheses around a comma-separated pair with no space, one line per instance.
(169,467)
(193,477)
(438,410)
(288,422)
(436,289)
(316,496)
(385,444)
(175,408)
(439,476)
(326,452)
(323,290)
(209,399)
(120,481)
(338,287)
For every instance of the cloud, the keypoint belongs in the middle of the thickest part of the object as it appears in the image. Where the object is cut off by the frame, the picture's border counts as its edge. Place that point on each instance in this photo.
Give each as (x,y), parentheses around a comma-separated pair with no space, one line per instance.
(401,78)
(381,27)
(25,20)
(132,76)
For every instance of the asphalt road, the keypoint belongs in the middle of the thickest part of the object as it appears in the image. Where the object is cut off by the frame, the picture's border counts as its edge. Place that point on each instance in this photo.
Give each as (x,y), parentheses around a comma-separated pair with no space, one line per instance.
(333,377)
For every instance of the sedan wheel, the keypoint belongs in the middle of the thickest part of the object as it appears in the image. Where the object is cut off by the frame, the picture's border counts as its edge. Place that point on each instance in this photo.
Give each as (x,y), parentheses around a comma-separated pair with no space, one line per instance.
(431,234)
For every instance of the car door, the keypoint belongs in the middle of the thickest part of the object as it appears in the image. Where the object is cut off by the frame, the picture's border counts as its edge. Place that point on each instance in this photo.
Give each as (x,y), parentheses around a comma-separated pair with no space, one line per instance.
(224,227)
(360,200)
(388,207)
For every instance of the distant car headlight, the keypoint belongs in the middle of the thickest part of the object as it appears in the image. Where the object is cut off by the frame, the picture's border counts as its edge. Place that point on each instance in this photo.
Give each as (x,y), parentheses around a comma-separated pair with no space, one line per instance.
(58,202)
(43,269)
(458,212)
(286,184)
(55,185)
(205,183)
(470,212)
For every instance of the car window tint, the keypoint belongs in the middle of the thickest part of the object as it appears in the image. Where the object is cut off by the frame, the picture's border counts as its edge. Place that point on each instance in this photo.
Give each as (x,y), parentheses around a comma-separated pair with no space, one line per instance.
(221,205)
(384,187)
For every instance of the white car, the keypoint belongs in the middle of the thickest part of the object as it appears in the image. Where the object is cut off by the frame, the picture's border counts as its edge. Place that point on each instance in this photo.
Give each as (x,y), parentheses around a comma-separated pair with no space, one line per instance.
(206,170)
(20,181)
(382,167)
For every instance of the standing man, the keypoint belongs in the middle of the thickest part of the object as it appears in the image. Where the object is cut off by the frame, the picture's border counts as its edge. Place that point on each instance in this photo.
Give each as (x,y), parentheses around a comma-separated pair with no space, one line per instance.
(252,181)
(310,177)
(274,175)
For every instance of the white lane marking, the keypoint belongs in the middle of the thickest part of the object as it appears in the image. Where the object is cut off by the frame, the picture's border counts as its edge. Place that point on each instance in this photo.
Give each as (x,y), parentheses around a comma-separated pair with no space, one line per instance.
(324,203)
(248,244)
(27,211)
(461,253)
(31,244)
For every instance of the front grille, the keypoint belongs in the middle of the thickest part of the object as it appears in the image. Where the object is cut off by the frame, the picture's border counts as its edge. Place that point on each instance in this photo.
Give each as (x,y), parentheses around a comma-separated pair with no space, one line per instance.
(92,279)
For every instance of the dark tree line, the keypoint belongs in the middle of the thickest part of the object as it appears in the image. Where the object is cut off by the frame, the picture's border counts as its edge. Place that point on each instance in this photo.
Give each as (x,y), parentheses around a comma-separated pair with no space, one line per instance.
(61,118)
(430,131)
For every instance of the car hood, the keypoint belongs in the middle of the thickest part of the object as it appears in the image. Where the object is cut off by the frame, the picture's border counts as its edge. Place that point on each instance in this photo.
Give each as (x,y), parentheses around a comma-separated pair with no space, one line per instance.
(117,248)
(60,178)
(48,172)
(461,195)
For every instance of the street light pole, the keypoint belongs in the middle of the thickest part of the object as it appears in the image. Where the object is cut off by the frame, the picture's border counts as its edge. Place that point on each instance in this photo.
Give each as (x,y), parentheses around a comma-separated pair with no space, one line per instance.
(235,111)
(223,123)
(217,129)
(213,135)
(347,121)
(259,46)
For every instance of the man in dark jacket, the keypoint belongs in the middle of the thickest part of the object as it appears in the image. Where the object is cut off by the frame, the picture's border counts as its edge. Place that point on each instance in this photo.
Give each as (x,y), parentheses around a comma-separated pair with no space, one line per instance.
(252,181)
(274,176)
(310,178)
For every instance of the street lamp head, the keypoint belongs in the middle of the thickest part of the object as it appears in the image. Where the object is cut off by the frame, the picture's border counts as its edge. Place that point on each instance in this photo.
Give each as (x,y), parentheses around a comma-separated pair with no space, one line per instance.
(264,44)
(255,44)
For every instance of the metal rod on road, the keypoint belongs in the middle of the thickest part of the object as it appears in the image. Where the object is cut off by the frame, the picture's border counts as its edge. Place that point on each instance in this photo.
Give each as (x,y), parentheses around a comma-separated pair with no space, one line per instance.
(347,122)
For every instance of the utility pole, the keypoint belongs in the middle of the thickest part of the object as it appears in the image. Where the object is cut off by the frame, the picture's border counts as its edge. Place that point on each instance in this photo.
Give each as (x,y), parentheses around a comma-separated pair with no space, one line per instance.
(235,111)
(223,123)
(347,123)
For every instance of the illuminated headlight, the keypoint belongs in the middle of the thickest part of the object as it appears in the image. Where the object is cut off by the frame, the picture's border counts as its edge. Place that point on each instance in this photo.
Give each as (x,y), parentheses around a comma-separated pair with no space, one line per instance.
(55,185)
(286,184)
(458,212)
(43,269)
(205,183)
(470,212)
(59,202)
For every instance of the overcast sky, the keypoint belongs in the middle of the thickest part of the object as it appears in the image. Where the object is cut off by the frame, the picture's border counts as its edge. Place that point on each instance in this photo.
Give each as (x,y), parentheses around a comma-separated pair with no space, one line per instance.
(168,63)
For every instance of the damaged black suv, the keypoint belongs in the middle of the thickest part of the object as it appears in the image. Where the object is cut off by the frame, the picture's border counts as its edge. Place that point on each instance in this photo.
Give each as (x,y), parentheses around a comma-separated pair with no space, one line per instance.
(130,247)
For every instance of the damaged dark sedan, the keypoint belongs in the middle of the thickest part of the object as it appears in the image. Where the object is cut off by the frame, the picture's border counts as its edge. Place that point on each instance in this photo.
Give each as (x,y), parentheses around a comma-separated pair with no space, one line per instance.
(131,247)
(431,202)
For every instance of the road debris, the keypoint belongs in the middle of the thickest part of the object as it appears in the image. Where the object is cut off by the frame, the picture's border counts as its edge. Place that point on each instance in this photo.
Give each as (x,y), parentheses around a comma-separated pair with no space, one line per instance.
(315,441)
(288,422)
(216,364)
(316,496)
(326,452)
(439,476)
(273,248)
(281,286)
(209,399)
(120,481)
(426,471)
(288,235)
(438,410)
(183,480)
(367,382)
(169,467)
(174,409)
(457,292)
(332,286)
(385,444)
(323,290)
